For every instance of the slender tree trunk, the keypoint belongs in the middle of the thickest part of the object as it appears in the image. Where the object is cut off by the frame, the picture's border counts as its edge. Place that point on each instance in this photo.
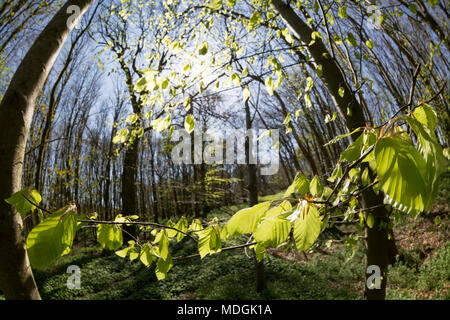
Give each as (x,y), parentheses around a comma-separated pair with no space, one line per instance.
(154,185)
(261,282)
(16,112)
(129,196)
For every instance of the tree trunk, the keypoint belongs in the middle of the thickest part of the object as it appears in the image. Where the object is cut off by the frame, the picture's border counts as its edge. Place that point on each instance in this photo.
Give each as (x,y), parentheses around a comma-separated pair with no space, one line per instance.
(16,112)
(261,282)
(129,196)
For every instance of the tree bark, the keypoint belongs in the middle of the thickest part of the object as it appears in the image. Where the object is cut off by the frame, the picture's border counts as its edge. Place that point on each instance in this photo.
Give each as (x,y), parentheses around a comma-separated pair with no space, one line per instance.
(16,112)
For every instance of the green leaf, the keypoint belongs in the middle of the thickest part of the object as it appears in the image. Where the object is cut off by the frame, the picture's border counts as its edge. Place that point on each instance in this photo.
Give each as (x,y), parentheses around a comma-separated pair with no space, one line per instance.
(230,3)
(401,170)
(329,118)
(365,178)
(287,119)
(278,210)
(437,220)
(255,18)
(434,157)
(20,202)
(52,238)
(203,49)
(342,12)
(351,39)
(306,227)
(341,92)
(316,187)
(245,220)
(369,44)
(260,252)
(161,124)
(181,225)
(300,185)
(413,8)
(319,70)
(353,151)
(272,232)
(164,245)
(370,221)
(209,242)
(309,84)
(308,102)
(341,136)
(426,116)
(215,5)
(196,225)
(269,85)
(189,123)
(148,254)
(245,93)
(123,253)
(121,136)
(134,254)
(141,84)
(110,236)
(163,266)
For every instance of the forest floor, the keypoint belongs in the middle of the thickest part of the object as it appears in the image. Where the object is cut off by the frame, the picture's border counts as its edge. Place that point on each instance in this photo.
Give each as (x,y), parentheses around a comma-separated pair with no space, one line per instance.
(422,270)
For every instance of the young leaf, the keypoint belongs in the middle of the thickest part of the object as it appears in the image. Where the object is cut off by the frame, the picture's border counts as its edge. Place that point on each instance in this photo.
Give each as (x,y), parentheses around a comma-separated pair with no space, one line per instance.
(161,124)
(245,220)
(147,255)
(370,221)
(353,151)
(300,185)
(163,266)
(196,225)
(189,123)
(306,227)
(341,136)
(215,5)
(401,170)
(203,49)
(315,187)
(209,242)
(309,84)
(110,236)
(164,245)
(20,202)
(426,116)
(123,253)
(272,232)
(52,238)
(181,225)
(342,12)
(269,85)
(276,211)
(245,93)
(369,44)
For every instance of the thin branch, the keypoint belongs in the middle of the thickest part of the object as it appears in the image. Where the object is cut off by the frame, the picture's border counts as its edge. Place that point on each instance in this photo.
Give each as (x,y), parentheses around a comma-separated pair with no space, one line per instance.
(223,249)
(139,223)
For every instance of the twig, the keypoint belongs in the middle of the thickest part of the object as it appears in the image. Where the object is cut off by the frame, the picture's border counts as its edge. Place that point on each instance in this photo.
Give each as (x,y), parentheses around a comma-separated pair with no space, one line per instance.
(139,223)
(223,249)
